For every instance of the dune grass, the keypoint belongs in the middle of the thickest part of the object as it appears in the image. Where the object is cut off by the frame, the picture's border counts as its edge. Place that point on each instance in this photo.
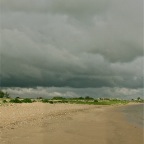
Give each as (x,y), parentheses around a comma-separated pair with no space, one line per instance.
(5,98)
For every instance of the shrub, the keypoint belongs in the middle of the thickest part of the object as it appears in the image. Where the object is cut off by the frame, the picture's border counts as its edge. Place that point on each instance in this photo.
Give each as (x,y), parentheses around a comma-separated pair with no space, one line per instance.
(27,100)
(64,101)
(39,97)
(4,101)
(45,100)
(51,102)
(15,100)
(80,98)
(34,101)
(58,98)
(88,98)
(95,100)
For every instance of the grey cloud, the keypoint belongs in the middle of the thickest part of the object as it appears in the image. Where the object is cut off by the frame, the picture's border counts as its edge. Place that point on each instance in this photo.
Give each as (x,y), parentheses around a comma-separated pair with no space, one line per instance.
(75,7)
(72,43)
(111,40)
(64,69)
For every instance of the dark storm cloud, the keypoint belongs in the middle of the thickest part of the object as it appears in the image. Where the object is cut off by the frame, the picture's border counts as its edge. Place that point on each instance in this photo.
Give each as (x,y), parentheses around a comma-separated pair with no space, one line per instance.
(75,43)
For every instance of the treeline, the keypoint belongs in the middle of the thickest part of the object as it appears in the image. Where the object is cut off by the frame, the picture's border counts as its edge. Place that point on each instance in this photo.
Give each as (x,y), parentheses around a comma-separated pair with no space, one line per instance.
(84,100)
(4,94)
(77,100)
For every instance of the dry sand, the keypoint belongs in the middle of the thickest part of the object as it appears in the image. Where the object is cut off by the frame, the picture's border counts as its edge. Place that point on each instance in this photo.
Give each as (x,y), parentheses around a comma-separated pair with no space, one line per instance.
(40,123)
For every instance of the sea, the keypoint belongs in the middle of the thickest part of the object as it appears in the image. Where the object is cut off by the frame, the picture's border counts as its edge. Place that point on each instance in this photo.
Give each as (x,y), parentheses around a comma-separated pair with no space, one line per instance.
(135,114)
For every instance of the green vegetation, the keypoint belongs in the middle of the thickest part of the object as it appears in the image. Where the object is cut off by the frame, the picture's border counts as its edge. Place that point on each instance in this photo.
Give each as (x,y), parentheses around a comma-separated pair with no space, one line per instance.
(89,98)
(58,98)
(51,102)
(17,100)
(27,100)
(5,98)
(45,101)
(4,94)
(4,101)
(86,100)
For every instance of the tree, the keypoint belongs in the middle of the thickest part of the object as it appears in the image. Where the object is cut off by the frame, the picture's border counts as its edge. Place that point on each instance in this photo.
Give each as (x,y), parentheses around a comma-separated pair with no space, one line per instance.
(58,98)
(2,94)
(138,98)
(6,95)
(88,98)
(81,98)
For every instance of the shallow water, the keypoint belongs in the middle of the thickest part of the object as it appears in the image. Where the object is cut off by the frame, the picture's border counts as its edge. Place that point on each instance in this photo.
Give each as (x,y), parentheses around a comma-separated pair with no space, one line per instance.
(135,114)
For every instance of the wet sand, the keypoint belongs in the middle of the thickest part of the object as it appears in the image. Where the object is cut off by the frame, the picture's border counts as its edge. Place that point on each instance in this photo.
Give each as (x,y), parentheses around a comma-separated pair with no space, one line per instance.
(40,123)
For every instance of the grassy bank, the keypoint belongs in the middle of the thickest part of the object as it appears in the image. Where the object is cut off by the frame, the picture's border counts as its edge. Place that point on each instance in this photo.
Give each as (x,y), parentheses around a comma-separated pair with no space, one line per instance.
(90,101)
(6,99)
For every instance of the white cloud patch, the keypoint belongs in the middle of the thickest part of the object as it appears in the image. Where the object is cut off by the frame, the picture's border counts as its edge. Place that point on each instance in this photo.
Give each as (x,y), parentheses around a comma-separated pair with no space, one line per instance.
(105,92)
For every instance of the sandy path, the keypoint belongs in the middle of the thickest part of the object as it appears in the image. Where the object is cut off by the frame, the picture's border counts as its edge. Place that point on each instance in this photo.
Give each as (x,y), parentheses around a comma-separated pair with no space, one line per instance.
(68,124)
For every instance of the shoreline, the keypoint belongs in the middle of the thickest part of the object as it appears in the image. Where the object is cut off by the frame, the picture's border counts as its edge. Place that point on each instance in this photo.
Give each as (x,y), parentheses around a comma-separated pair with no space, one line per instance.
(67,123)
(134,114)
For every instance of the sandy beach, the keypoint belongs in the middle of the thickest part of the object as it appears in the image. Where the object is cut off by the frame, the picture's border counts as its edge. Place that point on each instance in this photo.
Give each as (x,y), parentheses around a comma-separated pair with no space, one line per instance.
(40,123)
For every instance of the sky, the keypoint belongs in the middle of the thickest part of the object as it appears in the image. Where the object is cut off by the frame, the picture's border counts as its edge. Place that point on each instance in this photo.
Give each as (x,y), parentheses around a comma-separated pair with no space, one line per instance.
(72,48)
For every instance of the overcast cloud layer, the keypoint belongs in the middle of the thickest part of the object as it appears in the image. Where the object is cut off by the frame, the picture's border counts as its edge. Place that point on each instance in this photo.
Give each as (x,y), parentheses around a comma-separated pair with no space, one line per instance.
(72,43)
